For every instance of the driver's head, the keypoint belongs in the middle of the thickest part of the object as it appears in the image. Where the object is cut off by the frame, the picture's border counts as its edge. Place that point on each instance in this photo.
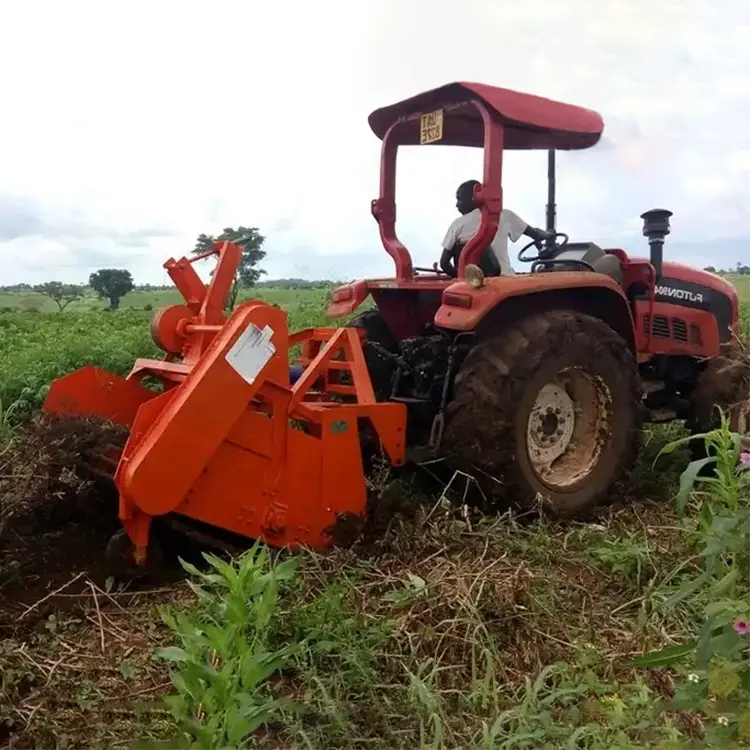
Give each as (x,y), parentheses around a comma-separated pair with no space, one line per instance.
(465,202)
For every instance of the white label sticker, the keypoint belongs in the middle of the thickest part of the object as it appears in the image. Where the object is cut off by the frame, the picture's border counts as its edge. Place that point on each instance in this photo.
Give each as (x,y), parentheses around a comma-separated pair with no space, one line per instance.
(251,352)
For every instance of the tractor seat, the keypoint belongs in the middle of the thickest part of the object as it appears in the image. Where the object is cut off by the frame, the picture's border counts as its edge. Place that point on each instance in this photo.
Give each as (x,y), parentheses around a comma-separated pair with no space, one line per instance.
(610,265)
(598,259)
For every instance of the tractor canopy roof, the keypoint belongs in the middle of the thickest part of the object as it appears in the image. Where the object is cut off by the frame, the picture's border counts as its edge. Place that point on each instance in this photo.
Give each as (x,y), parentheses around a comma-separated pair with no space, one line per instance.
(531,122)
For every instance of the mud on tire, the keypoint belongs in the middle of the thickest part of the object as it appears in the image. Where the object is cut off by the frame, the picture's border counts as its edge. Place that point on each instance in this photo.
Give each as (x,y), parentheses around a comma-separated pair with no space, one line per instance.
(555,381)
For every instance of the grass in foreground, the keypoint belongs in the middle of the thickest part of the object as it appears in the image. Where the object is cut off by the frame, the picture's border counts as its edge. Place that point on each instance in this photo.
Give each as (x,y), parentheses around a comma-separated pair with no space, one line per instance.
(487,634)
(448,631)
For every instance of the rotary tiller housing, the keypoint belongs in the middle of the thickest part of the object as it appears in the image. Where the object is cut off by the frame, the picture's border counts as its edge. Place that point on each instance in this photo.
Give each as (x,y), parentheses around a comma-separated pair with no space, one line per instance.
(235,439)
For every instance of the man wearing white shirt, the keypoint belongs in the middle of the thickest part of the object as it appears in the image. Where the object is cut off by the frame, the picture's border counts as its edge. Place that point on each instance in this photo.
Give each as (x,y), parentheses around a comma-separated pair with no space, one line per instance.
(494,260)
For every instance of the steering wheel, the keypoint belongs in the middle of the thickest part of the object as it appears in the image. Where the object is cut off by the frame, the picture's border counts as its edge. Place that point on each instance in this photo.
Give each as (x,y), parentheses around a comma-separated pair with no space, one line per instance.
(435,269)
(544,253)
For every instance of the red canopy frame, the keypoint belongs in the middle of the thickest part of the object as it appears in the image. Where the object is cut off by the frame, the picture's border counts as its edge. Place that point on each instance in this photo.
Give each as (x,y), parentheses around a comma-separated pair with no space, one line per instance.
(469,114)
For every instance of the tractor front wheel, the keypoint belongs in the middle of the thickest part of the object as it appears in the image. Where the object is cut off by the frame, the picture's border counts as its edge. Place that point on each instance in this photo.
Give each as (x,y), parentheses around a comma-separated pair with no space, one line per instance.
(547,412)
(724,384)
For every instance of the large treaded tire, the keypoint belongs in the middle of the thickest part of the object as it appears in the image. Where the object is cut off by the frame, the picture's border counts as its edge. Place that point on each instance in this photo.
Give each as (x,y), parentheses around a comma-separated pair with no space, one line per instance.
(494,397)
(724,382)
(380,368)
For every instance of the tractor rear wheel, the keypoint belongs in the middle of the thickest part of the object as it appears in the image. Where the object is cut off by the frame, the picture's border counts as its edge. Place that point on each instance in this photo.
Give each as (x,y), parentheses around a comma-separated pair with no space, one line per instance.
(548,410)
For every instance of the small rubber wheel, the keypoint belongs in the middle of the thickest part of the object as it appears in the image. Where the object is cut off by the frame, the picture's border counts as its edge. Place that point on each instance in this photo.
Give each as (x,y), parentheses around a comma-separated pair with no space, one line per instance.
(120,562)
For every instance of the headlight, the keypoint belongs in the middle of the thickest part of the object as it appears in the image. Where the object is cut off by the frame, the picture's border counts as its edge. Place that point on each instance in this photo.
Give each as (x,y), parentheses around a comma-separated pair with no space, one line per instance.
(474,276)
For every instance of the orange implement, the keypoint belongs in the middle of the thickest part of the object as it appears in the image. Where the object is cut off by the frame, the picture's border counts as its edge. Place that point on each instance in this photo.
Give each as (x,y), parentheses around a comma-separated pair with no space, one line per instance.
(231,441)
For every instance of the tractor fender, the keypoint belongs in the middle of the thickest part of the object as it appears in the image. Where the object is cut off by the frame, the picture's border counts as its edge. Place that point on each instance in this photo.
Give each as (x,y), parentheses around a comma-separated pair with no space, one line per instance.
(347,298)
(503,299)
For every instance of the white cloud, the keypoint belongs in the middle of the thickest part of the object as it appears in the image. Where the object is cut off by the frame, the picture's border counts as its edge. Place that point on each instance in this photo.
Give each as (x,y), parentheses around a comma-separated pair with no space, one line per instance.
(125,120)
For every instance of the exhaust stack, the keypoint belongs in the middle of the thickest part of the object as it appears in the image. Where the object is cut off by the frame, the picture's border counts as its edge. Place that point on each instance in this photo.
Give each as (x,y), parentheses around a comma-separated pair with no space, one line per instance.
(656,228)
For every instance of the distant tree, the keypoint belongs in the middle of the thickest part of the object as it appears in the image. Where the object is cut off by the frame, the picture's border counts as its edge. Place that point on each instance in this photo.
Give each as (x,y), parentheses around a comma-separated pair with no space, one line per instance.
(112,284)
(710,269)
(251,242)
(61,294)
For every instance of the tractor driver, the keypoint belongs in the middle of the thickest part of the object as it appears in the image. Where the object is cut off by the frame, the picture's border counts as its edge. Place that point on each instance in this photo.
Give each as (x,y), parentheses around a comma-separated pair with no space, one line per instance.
(494,260)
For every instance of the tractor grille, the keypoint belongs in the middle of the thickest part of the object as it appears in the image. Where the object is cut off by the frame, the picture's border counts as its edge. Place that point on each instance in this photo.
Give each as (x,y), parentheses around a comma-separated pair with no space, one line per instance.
(674,328)
(695,335)
(660,328)
(679,329)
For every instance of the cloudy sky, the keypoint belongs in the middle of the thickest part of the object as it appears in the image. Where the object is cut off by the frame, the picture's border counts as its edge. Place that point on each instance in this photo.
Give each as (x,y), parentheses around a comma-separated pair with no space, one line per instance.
(128,128)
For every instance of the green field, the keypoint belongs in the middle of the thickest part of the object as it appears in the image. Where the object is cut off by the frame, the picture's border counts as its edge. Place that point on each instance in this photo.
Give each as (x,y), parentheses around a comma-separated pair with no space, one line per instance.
(151,299)
(36,347)
(448,630)
(38,344)
(140,299)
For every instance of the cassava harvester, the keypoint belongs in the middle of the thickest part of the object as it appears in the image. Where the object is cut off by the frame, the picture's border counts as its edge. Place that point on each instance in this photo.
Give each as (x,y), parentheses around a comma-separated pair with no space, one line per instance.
(534,384)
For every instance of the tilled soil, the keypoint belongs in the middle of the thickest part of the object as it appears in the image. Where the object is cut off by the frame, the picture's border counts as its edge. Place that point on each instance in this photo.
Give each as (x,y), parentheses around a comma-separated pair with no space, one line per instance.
(55,516)
(75,650)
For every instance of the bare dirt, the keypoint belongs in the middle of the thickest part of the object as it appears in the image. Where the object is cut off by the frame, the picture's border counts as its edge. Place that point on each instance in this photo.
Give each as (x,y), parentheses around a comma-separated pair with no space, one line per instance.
(724,382)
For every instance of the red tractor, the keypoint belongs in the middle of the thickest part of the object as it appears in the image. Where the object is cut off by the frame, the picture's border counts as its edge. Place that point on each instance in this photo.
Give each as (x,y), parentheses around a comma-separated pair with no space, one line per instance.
(537,383)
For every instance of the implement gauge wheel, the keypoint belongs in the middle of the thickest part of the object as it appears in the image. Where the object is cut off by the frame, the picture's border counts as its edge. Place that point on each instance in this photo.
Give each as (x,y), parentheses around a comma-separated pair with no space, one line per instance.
(119,558)
(547,412)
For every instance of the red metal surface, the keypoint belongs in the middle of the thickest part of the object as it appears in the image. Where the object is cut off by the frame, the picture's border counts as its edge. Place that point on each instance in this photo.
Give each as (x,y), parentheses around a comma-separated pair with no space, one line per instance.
(489,195)
(531,122)
(463,307)
(94,391)
(206,302)
(246,452)
(474,114)
(704,322)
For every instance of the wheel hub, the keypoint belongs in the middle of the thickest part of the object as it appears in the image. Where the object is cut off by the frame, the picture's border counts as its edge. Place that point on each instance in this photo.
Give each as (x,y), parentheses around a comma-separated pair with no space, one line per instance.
(550,424)
(569,422)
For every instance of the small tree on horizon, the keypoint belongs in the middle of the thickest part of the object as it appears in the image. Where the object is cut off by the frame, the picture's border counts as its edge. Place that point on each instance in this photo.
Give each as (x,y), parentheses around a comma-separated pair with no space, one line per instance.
(61,294)
(112,284)
(251,241)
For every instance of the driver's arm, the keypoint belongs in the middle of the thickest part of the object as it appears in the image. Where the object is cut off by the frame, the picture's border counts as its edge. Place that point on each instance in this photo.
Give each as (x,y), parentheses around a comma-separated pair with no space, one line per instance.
(538,234)
(449,257)
(447,263)
(517,227)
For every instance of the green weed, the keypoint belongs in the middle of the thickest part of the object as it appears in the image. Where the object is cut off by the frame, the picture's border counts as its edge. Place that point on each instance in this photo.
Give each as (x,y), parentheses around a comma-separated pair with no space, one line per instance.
(715,663)
(224,662)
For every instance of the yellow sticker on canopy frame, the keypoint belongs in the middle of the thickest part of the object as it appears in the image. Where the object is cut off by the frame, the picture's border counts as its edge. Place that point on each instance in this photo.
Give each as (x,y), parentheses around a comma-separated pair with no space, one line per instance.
(431,127)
